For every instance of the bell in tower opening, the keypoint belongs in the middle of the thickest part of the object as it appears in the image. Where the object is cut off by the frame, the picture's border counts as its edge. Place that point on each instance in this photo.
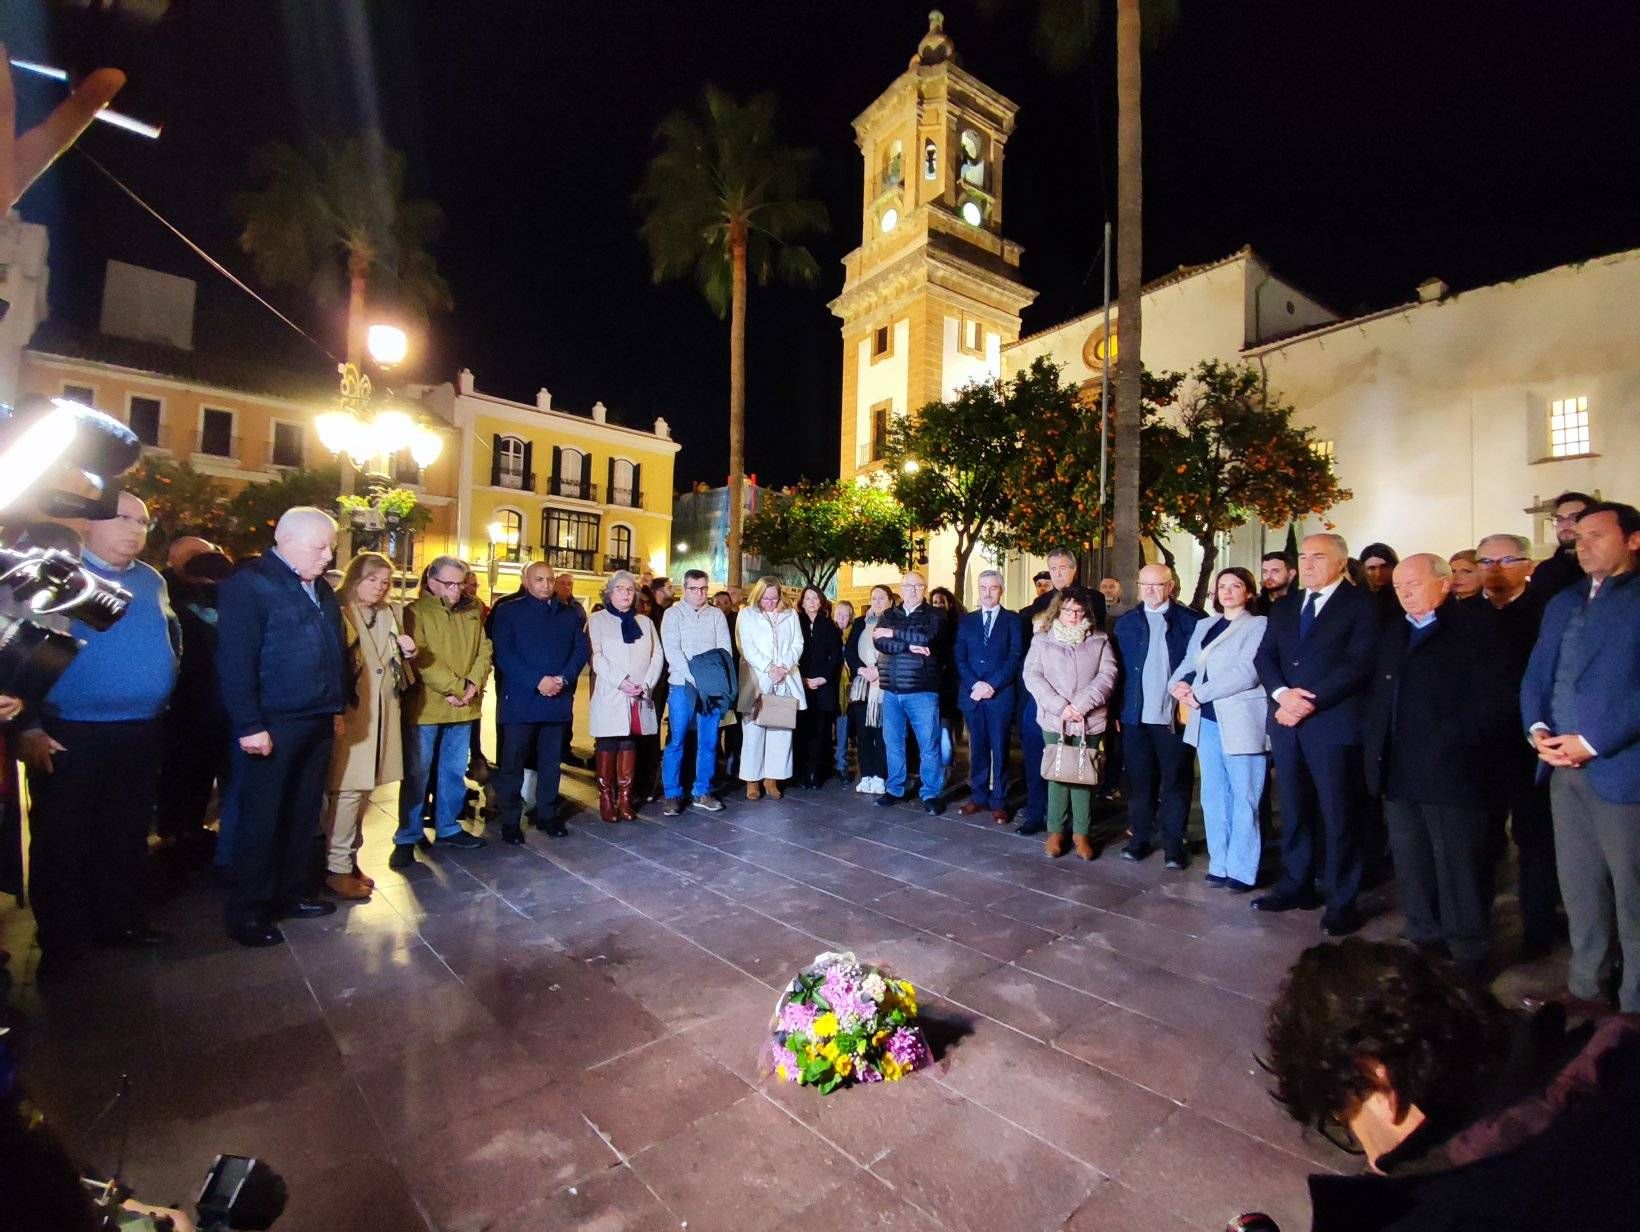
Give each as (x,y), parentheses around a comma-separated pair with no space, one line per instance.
(931,160)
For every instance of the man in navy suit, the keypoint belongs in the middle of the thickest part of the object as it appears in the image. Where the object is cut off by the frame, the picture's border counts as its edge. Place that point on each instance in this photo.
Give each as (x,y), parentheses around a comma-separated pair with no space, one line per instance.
(280,658)
(1316,663)
(988,656)
(1580,702)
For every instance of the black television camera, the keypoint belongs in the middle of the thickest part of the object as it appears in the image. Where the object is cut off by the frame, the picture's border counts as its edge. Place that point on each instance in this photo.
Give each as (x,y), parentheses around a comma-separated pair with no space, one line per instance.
(240,1194)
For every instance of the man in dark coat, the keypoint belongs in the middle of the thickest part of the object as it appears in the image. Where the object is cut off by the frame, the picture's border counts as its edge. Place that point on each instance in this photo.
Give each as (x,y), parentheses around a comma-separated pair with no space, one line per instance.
(281,661)
(1438,735)
(909,668)
(1558,572)
(1316,663)
(540,648)
(988,659)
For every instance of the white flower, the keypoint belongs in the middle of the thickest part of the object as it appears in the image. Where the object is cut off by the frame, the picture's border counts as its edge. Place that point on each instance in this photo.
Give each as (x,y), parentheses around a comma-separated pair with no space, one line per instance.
(874,987)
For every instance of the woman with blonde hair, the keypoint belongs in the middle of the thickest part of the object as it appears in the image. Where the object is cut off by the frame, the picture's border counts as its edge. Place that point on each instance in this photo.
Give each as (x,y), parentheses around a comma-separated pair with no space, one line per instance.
(369,750)
(1070,671)
(771,643)
(627,660)
(865,694)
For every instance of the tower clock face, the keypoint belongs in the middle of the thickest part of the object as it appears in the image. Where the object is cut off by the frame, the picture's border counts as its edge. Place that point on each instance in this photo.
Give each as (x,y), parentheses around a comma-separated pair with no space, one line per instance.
(890,219)
(1099,348)
(972,214)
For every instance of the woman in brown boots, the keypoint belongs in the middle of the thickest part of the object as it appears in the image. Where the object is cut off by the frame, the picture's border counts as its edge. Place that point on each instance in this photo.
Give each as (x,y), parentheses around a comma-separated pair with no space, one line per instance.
(626,661)
(1070,671)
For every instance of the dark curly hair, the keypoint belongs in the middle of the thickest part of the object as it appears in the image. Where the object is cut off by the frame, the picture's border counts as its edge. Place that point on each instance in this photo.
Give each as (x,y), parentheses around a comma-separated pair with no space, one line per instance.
(1441,1038)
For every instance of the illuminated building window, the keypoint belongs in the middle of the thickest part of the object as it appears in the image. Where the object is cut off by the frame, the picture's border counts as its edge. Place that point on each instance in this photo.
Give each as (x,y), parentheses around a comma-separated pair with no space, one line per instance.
(1323,449)
(1568,427)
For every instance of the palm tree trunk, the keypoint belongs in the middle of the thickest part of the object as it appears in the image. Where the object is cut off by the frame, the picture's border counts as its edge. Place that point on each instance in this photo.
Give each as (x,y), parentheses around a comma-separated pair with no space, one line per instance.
(356,271)
(1129,281)
(737,398)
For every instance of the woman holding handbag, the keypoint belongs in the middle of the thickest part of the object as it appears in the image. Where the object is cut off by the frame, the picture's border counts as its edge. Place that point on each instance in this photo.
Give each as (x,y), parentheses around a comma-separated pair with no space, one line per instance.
(626,662)
(369,749)
(1070,671)
(771,690)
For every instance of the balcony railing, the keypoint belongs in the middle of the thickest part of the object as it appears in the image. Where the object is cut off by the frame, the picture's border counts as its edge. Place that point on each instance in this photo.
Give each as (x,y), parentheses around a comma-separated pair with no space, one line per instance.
(510,553)
(288,459)
(613,563)
(572,558)
(214,445)
(519,481)
(628,498)
(575,489)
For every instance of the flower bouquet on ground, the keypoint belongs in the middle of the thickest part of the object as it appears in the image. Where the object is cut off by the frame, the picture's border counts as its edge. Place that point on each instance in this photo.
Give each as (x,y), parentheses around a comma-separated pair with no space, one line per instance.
(840,1022)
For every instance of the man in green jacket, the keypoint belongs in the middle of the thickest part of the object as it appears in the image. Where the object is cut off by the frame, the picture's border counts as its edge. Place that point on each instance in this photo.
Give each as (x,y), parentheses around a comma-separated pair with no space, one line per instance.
(452,663)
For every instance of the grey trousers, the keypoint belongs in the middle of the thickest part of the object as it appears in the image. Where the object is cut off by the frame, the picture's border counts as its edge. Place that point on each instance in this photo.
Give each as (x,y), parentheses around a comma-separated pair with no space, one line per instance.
(1597,846)
(1443,876)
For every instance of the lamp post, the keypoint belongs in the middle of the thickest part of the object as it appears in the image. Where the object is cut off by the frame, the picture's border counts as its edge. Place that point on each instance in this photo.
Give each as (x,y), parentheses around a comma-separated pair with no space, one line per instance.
(356,436)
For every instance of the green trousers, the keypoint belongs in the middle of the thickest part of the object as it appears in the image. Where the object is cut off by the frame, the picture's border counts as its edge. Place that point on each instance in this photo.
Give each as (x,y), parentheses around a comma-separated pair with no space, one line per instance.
(1067,800)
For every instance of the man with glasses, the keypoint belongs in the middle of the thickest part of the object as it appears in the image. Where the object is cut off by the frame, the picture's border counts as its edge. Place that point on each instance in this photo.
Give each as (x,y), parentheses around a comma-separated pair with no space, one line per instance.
(452,661)
(909,670)
(94,758)
(692,628)
(1561,570)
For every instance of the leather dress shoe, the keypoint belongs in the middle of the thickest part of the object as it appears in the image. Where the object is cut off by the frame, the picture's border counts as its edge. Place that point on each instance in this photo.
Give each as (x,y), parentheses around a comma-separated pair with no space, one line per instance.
(513,835)
(137,936)
(1136,851)
(933,807)
(887,801)
(404,855)
(1341,923)
(1277,901)
(969,809)
(1030,826)
(461,841)
(1178,862)
(1000,816)
(257,936)
(307,909)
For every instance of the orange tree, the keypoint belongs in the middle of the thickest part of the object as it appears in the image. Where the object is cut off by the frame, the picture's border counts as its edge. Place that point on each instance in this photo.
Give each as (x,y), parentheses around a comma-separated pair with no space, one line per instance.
(815,529)
(180,501)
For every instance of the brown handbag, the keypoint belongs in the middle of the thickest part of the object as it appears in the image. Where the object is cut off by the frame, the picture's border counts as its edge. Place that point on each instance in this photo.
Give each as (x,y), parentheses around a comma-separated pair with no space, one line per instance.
(1078,764)
(775,711)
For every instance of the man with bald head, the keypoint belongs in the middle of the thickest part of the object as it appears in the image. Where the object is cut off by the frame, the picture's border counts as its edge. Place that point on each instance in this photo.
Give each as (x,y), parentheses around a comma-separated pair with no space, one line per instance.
(1150,642)
(1316,664)
(539,649)
(281,662)
(1439,723)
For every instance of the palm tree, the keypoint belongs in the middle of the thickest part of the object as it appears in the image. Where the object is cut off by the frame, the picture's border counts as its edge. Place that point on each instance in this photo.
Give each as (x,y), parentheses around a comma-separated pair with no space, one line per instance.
(1064,37)
(339,207)
(724,199)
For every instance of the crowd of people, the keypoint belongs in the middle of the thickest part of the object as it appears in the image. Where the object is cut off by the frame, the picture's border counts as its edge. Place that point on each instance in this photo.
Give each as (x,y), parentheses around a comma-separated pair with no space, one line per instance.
(1414,714)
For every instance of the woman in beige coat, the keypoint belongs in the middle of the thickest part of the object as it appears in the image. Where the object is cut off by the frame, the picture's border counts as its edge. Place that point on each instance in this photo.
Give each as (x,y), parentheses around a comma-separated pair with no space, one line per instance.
(626,662)
(369,752)
(1070,670)
(771,644)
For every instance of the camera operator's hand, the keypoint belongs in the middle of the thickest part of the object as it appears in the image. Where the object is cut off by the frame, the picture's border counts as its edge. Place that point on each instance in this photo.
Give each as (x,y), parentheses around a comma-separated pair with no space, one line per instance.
(258,744)
(10,707)
(36,749)
(179,1220)
(23,156)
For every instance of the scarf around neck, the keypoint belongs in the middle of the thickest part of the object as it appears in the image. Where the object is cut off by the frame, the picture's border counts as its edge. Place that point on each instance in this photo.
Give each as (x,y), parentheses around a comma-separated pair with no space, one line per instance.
(630,632)
(1068,635)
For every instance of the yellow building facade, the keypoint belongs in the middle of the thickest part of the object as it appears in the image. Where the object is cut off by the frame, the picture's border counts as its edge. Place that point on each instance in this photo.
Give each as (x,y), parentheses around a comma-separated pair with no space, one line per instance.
(586,495)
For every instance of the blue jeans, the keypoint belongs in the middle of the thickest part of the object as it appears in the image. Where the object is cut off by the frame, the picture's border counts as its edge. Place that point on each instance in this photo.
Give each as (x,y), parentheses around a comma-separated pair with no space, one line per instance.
(680,718)
(922,712)
(842,744)
(1232,784)
(451,744)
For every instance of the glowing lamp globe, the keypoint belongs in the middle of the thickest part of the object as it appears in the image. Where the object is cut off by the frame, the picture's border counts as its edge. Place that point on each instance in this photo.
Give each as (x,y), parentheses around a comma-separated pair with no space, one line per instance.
(387,344)
(425,445)
(392,430)
(336,429)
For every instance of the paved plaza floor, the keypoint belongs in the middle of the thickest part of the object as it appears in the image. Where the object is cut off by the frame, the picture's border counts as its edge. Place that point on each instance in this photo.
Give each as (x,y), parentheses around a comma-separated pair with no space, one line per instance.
(566,1035)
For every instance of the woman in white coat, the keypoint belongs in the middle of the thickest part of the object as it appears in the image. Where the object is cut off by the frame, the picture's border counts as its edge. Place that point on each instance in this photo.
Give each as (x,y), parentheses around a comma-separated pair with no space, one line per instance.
(771,642)
(1219,684)
(626,661)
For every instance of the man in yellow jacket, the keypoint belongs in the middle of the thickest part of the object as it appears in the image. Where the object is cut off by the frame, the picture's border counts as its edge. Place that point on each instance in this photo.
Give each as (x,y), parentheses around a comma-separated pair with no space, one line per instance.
(452,664)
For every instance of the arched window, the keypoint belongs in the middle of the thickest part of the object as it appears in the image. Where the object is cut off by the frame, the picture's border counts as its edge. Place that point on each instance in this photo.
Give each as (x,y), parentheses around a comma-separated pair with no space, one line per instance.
(508,532)
(623,483)
(571,474)
(931,160)
(510,463)
(893,173)
(972,168)
(620,548)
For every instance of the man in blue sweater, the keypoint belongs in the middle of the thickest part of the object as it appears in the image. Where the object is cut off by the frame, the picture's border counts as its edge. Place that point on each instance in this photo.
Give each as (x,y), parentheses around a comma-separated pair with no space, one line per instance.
(94,759)
(540,648)
(279,656)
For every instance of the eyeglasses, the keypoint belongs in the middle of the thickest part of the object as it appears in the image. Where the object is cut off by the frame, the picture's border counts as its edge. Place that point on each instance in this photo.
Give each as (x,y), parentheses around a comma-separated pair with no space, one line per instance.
(701,588)
(448,581)
(1568,519)
(1486,562)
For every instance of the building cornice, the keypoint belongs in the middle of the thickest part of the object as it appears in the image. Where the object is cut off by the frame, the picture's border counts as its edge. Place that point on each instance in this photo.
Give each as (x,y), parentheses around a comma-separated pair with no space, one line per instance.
(477,404)
(161,380)
(930,267)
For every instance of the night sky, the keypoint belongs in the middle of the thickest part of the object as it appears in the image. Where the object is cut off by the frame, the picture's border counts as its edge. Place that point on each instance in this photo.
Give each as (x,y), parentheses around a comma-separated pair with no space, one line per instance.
(1359,147)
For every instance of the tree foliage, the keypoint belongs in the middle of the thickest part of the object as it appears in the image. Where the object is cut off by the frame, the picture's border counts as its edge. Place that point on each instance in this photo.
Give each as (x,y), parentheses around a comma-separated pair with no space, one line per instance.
(180,501)
(817,528)
(252,512)
(952,462)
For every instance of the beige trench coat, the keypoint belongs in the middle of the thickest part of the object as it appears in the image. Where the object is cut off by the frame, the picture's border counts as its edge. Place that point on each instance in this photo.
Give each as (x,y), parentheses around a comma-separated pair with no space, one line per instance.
(614,661)
(370,750)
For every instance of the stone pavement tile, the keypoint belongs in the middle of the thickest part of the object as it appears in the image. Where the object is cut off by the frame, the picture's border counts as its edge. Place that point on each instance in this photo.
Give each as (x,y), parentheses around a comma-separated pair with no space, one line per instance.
(1152,1054)
(1236,1092)
(1150,943)
(504,937)
(981,1174)
(1206,1174)
(1156,906)
(233,1076)
(754,943)
(611,933)
(377,963)
(1086,1112)
(736,1035)
(867,1122)
(976,889)
(370,1022)
(1192,1005)
(1058,915)
(421,1086)
(996,935)
(211,1019)
(861,1204)
(831,919)
(417,899)
(687,993)
(1241,957)
(563,1014)
(929,962)
(181,976)
(614,1200)
(906,839)
(1116,1208)
(736,1170)
(486,1164)
(742,880)
(1038,1007)
(650,889)
(1083,965)
(365,1194)
(651,1093)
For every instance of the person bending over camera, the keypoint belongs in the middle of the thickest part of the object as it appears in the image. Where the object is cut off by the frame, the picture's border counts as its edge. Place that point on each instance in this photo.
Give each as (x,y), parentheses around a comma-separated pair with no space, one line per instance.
(1470,1116)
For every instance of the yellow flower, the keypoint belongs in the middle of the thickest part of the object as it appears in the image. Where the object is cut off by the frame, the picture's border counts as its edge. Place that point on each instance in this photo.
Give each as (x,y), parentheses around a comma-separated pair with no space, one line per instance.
(830,1050)
(825,1026)
(781,1071)
(892,1069)
(845,1064)
(879,1038)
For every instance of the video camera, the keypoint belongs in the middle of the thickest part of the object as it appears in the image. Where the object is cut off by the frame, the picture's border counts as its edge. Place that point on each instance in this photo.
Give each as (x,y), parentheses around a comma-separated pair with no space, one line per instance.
(66,459)
(240,1194)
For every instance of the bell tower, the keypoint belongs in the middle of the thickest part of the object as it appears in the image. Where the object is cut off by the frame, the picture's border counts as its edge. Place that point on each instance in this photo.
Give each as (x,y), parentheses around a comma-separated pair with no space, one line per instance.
(932,293)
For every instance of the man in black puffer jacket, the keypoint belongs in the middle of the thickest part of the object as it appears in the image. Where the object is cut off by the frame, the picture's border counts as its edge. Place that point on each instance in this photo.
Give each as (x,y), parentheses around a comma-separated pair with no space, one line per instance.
(909,665)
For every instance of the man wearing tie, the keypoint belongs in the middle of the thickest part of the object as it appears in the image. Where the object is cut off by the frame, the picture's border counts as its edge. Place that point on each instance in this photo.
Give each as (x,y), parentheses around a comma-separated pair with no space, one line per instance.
(988,656)
(1580,703)
(1316,662)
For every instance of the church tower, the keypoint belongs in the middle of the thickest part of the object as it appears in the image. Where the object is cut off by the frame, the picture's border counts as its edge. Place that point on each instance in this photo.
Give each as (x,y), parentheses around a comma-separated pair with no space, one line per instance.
(932,293)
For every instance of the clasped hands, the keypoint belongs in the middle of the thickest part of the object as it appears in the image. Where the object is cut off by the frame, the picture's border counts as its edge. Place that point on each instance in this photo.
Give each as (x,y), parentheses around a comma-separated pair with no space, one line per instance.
(1294,706)
(550,686)
(1568,752)
(464,698)
(1182,692)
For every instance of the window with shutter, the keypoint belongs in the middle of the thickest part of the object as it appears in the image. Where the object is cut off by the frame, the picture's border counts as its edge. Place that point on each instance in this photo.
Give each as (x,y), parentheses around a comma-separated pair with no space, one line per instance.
(495,460)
